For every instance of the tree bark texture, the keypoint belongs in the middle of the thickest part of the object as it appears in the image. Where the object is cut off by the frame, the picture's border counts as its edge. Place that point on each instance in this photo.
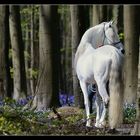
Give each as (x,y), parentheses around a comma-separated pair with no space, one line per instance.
(131,39)
(20,87)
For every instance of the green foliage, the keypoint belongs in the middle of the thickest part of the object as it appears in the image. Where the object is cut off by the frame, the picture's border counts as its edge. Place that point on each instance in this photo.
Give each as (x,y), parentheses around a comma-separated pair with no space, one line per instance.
(129,114)
(16,120)
(74,118)
(8,127)
(63,9)
(32,73)
(121,36)
(68,49)
(26,12)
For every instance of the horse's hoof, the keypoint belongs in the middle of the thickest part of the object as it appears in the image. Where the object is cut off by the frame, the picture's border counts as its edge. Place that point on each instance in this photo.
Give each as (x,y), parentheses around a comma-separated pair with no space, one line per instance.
(112,131)
(100,125)
(88,125)
(97,125)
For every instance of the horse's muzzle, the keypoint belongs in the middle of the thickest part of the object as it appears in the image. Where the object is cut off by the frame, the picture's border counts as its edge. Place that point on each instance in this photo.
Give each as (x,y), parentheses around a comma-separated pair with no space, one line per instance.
(123,51)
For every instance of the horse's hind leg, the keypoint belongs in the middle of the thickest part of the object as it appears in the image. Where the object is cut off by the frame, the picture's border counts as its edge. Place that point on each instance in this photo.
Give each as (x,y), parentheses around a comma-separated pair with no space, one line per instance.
(98,103)
(103,93)
(86,102)
(102,121)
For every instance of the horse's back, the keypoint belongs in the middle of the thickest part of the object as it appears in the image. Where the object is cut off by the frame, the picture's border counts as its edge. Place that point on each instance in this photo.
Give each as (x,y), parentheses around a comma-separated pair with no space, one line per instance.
(108,50)
(94,62)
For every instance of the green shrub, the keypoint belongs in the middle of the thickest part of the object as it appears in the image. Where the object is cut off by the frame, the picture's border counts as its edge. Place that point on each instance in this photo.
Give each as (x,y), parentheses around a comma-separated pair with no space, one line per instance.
(129,113)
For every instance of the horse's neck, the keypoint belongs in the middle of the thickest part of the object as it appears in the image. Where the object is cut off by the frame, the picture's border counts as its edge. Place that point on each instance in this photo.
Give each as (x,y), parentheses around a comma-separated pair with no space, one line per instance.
(95,35)
(89,48)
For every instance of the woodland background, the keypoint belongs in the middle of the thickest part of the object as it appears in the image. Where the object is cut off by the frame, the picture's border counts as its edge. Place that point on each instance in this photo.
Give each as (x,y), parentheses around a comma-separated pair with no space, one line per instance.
(38,44)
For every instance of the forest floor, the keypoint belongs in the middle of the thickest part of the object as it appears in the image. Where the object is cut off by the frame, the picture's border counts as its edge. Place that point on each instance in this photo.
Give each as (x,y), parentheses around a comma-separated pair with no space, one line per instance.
(69,121)
(63,121)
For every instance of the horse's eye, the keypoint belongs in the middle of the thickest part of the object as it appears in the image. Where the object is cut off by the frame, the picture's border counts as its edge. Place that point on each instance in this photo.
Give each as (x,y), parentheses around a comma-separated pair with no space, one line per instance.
(109,26)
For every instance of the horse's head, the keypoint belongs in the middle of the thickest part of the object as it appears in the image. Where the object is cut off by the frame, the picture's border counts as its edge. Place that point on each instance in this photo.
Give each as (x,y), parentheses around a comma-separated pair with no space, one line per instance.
(111,35)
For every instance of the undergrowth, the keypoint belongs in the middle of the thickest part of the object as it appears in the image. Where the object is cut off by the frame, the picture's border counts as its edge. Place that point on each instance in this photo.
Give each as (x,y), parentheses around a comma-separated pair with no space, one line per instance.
(15,119)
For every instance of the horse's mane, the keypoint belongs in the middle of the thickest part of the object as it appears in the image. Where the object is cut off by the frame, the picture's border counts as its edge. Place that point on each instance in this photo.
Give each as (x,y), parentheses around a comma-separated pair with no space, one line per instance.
(85,38)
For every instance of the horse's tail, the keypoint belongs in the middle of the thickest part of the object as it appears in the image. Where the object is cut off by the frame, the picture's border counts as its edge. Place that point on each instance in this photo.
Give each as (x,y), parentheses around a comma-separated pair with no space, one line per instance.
(116,91)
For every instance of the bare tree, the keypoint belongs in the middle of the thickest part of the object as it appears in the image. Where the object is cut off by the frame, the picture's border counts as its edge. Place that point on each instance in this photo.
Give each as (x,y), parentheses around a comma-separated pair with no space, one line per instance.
(20,87)
(99,14)
(47,87)
(131,36)
(6,44)
(136,130)
(2,69)
(5,78)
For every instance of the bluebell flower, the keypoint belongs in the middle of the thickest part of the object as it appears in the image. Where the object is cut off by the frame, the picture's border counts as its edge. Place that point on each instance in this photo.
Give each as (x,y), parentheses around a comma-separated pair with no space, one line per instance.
(1,103)
(65,99)
(22,102)
(70,100)
(29,97)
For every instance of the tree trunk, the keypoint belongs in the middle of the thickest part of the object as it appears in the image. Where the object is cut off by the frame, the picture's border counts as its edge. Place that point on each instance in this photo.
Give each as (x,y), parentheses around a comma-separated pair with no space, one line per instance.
(20,87)
(55,55)
(27,58)
(5,79)
(64,49)
(109,12)
(78,29)
(34,50)
(131,34)
(47,87)
(8,79)
(99,14)
(2,70)
(32,81)
(136,130)
(118,16)
(68,54)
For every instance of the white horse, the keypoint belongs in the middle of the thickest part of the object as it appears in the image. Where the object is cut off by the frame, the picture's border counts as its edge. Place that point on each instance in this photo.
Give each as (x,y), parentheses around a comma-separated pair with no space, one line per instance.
(97,66)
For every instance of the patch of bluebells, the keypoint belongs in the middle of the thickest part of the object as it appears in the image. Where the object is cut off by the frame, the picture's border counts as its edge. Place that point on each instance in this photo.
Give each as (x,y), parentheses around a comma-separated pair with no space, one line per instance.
(1,102)
(129,106)
(66,100)
(13,103)
(29,98)
(24,101)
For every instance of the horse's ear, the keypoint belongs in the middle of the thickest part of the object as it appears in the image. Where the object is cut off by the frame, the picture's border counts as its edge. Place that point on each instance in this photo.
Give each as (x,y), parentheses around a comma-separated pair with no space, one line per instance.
(112,22)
